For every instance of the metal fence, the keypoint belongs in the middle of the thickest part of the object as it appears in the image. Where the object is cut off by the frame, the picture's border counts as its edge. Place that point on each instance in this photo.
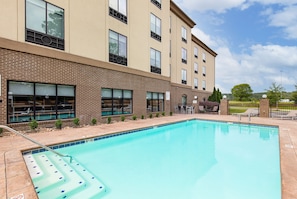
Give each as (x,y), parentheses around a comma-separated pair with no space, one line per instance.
(281,110)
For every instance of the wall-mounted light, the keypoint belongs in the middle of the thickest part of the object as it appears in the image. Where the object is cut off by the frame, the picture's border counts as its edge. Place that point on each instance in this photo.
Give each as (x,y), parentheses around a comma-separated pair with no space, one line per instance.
(195,97)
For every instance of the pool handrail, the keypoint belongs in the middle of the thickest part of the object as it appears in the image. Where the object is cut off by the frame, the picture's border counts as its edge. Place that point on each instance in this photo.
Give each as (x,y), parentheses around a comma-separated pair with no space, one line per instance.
(35,142)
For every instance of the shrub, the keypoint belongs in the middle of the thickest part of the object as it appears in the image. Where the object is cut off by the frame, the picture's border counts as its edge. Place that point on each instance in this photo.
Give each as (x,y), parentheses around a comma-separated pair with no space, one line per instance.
(33,124)
(170,113)
(1,131)
(108,120)
(58,124)
(142,117)
(123,118)
(134,117)
(163,113)
(94,121)
(151,115)
(76,121)
(157,114)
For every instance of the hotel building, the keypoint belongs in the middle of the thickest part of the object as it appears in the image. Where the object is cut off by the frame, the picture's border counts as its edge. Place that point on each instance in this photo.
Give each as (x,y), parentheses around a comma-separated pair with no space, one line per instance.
(97,59)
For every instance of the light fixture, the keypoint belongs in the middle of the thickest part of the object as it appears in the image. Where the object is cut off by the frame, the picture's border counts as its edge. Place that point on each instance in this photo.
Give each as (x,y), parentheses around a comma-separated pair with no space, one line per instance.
(264,96)
(224,97)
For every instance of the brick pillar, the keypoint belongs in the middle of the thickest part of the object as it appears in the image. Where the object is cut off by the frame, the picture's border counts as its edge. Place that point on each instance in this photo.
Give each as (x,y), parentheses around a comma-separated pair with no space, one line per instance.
(264,108)
(224,107)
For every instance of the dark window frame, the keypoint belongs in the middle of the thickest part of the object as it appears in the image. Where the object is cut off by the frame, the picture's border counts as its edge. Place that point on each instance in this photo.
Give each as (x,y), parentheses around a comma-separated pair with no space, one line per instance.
(37,109)
(154,67)
(157,3)
(45,39)
(116,58)
(159,101)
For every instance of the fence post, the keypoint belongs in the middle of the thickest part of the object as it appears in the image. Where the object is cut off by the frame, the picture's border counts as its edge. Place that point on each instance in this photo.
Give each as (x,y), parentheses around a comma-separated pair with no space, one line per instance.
(264,107)
(224,106)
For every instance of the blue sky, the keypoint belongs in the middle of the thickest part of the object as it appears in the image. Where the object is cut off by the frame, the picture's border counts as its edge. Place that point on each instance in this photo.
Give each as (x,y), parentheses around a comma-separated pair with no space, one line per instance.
(256,40)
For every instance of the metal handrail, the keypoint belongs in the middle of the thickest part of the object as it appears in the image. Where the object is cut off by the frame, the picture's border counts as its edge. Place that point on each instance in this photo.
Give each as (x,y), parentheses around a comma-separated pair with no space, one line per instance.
(35,142)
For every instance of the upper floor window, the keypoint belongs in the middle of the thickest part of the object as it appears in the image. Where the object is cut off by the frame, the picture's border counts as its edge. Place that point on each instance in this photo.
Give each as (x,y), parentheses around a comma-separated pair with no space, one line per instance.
(157,3)
(117,48)
(204,85)
(203,57)
(195,83)
(184,34)
(184,76)
(118,9)
(204,71)
(196,52)
(44,24)
(155,61)
(184,56)
(196,68)
(155,27)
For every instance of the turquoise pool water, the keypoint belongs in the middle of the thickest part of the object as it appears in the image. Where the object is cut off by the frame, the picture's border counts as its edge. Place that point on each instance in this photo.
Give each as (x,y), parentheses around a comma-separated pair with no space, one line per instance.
(192,160)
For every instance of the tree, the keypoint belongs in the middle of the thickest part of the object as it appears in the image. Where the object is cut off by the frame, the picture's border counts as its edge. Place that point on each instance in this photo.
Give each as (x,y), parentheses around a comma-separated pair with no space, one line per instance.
(216,96)
(242,92)
(274,93)
(294,95)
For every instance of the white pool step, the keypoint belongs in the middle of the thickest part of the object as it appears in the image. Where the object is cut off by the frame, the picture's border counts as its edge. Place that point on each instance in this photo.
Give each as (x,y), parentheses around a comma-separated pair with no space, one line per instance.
(55,178)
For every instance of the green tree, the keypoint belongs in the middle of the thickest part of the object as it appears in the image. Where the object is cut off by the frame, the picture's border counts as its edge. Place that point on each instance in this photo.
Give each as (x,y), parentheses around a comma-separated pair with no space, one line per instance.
(242,92)
(294,95)
(216,96)
(274,93)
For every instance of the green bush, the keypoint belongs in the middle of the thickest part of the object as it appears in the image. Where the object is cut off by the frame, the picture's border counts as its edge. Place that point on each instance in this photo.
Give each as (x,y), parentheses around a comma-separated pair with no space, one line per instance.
(157,114)
(142,117)
(76,121)
(151,115)
(134,117)
(108,120)
(163,113)
(1,130)
(33,124)
(58,124)
(94,121)
(170,113)
(123,118)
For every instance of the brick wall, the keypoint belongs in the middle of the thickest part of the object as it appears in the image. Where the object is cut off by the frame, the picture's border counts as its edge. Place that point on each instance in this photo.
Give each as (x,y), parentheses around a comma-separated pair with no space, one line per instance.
(88,79)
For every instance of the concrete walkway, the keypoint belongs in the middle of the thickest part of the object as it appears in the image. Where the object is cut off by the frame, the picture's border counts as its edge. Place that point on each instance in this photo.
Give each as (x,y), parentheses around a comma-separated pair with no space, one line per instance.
(15,178)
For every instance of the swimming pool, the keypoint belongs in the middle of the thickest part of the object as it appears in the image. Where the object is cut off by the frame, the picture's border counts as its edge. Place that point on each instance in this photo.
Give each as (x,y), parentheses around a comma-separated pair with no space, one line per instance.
(193,159)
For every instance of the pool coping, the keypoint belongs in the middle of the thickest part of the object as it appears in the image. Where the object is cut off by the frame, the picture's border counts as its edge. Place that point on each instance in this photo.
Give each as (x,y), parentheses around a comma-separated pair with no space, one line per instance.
(15,178)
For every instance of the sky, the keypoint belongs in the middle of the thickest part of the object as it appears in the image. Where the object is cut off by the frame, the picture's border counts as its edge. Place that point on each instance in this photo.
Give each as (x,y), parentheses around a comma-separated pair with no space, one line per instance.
(256,40)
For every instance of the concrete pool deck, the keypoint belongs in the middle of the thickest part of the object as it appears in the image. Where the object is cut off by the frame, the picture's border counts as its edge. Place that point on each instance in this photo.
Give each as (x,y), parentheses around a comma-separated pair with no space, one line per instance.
(15,178)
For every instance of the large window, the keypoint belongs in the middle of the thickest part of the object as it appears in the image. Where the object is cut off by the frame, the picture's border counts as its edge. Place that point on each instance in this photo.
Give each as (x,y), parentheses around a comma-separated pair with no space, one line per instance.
(28,101)
(184,34)
(204,85)
(195,52)
(44,24)
(184,56)
(154,102)
(155,27)
(184,76)
(203,57)
(117,48)
(116,101)
(195,68)
(155,61)
(118,9)
(204,71)
(195,83)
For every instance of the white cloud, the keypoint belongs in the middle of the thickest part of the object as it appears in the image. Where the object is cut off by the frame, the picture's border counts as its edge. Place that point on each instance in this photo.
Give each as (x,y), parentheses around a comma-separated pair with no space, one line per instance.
(287,19)
(224,5)
(261,67)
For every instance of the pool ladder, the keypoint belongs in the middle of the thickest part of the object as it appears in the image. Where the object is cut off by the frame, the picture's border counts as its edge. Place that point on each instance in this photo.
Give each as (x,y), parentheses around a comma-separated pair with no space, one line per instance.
(35,142)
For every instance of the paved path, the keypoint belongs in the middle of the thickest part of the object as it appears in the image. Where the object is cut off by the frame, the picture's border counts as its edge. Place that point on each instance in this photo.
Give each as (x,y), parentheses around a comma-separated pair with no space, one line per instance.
(15,179)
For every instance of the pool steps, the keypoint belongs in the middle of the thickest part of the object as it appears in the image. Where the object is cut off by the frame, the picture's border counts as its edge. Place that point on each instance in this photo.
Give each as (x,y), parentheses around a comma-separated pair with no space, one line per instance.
(56,178)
